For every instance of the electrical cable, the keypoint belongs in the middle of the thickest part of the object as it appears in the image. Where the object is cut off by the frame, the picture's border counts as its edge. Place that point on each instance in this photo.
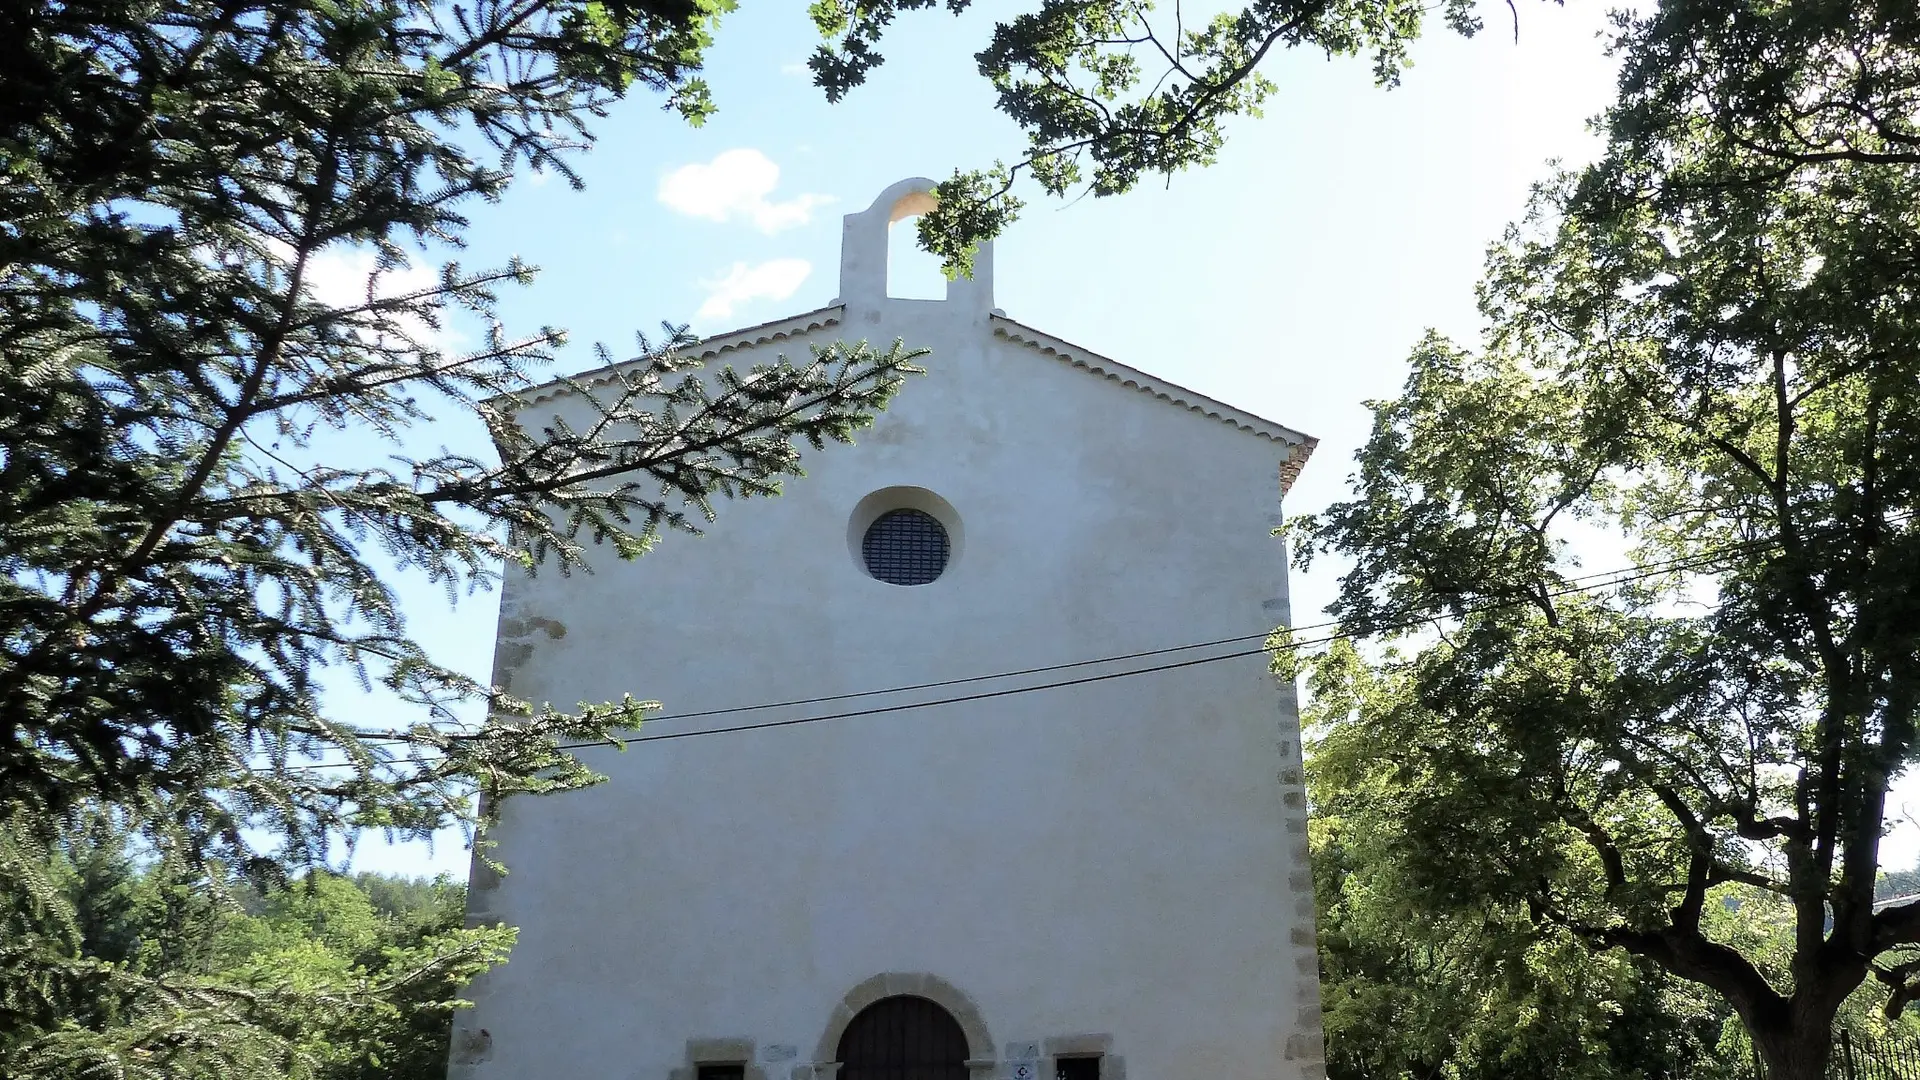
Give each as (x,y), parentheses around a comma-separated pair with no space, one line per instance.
(1619,576)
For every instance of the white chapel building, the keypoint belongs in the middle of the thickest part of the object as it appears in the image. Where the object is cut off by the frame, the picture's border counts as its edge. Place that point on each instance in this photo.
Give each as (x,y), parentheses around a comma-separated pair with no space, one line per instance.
(1074,847)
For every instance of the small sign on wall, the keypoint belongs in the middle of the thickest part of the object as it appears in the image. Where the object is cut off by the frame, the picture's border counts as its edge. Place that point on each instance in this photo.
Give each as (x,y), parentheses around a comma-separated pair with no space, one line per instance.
(1023,1061)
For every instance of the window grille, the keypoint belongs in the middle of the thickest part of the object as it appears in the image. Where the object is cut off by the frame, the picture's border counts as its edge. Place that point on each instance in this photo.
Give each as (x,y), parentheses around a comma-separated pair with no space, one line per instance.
(905,547)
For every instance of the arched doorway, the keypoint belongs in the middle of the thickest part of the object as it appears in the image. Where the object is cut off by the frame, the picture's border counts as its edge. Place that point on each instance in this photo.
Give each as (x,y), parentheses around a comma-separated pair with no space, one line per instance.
(903,1038)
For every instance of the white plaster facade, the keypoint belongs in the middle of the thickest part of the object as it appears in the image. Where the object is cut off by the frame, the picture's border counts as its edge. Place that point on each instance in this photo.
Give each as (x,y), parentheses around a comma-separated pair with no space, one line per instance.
(1117,866)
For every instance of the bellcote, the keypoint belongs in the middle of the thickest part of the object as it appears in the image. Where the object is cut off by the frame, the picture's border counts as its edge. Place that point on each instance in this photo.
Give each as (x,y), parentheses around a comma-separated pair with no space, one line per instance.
(863,254)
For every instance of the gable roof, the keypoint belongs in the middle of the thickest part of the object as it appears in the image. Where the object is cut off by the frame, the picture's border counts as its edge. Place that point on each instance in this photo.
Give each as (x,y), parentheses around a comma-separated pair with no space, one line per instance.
(744,338)
(1299,446)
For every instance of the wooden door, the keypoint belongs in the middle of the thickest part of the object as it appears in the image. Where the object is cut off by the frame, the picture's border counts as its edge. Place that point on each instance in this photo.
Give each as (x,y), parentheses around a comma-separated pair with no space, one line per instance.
(903,1038)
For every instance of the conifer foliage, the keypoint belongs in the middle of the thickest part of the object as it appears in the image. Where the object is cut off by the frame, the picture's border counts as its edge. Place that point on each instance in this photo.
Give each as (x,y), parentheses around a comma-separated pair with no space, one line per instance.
(175,570)
(179,567)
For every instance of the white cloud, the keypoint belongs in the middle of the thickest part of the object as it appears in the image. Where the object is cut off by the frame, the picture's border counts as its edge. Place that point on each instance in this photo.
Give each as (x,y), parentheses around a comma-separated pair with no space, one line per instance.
(338,277)
(796,69)
(735,186)
(775,279)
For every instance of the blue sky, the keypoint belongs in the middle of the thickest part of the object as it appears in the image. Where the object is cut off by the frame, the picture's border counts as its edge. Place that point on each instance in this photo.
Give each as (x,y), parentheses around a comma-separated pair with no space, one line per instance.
(1291,279)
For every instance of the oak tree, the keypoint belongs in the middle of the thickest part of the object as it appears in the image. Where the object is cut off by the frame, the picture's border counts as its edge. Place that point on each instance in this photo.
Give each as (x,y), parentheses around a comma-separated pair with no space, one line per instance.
(1702,349)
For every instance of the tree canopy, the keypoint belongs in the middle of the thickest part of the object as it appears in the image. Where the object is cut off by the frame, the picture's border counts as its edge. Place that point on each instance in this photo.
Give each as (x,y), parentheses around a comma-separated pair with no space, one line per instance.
(193,972)
(1702,346)
(1108,92)
(1480,990)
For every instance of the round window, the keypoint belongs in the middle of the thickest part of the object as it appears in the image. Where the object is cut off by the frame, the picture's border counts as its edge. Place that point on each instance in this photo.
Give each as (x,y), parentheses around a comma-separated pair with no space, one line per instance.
(905,547)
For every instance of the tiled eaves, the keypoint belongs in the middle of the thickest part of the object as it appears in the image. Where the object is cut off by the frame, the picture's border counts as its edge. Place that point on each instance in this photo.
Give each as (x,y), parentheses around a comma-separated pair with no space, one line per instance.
(718,344)
(1299,446)
(777,330)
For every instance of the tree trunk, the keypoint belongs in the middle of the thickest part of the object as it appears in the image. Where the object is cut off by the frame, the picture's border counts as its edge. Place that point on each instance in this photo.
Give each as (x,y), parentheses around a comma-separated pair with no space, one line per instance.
(1796,1051)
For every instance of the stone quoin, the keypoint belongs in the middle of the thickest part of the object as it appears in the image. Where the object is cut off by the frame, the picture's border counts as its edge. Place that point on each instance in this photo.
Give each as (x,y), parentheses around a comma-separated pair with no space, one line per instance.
(1102,878)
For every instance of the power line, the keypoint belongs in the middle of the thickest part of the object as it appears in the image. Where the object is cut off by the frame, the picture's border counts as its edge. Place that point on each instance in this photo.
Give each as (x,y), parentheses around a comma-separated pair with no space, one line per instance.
(1637,572)
(1635,575)
(1618,576)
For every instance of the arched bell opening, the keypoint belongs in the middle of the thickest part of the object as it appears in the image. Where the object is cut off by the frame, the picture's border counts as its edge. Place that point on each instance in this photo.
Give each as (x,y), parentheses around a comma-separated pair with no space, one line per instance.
(883,238)
(913,273)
